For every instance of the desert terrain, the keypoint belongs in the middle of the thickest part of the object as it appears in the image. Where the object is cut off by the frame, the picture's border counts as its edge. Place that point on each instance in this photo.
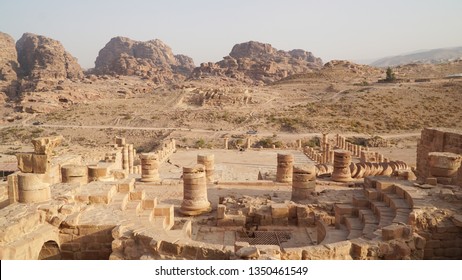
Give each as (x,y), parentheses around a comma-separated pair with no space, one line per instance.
(263,102)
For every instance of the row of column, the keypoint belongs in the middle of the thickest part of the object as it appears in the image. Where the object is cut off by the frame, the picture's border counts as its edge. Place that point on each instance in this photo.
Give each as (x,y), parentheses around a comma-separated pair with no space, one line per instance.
(323,157)
(355,150)
(128,155)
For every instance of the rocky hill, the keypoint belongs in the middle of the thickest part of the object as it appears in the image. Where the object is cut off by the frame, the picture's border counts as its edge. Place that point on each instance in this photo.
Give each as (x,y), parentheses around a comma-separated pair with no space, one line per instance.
(259,63)
(42,58)
(8,66)
(153,60)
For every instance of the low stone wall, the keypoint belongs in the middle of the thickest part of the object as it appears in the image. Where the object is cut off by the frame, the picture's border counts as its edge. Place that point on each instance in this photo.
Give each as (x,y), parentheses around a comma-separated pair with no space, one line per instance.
(86,242)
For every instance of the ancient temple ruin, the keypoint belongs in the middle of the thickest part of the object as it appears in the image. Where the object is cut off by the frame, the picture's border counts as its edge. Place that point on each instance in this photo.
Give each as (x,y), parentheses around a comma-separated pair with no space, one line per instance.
(340,201)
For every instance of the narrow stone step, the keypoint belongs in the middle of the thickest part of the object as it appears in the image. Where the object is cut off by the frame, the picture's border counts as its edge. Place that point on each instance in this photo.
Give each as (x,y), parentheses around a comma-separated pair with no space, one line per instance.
(369,231)
(375,205)
(371,194)
(133,206)
(402,216)
(399,203)
(387,197)
(353,223)
(367,216)
(359,200)
(356,233)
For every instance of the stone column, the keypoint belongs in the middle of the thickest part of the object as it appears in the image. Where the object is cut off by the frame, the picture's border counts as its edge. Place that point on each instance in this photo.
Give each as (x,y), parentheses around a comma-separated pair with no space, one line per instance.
(208,162)
(149,167)
(299,143)
(71,173)
(303,182)
(325,140)
(195,200)
(444,166)
(130,159)
(342,161)
(326,153)
(225,143)
(284,168)
(248,143)
(331,157)
(125,165)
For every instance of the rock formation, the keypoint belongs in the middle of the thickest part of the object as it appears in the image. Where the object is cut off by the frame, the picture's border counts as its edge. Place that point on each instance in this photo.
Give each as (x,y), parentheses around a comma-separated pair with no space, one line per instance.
(152,60)
(43,58)
(8,65)
(255,62)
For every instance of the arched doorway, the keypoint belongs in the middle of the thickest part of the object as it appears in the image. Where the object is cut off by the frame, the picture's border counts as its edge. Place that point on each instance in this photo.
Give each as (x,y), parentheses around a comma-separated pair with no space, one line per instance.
(50,251)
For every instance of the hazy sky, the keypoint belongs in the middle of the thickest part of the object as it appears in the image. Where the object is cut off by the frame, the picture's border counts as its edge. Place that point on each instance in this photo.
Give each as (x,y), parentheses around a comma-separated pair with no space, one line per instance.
(206,30)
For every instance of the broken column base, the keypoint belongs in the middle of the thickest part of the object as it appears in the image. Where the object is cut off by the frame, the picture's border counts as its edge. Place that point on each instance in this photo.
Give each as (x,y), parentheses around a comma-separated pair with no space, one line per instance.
(194,211)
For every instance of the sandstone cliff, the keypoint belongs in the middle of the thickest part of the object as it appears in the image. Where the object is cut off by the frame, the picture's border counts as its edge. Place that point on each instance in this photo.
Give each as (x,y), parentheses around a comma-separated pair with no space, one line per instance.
(259,63)
(152,60)
(8,66)
(42,58)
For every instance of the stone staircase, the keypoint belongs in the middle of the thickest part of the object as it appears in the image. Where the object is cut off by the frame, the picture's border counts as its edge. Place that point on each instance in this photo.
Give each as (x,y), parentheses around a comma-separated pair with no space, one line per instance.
(383,202)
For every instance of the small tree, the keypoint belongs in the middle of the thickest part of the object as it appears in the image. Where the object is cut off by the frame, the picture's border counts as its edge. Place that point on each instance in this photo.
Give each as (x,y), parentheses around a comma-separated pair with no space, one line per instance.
(390,75)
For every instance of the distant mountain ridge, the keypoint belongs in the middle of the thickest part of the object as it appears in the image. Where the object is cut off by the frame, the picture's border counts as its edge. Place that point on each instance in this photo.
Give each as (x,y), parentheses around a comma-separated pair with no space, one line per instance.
(428,56)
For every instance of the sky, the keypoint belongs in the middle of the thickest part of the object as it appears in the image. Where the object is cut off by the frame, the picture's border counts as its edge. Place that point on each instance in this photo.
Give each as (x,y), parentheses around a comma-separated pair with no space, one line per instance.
(206,30)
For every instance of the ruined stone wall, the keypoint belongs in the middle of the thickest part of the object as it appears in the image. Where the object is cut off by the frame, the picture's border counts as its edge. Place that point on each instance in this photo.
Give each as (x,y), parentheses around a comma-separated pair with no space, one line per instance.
(436,140)
(86,242)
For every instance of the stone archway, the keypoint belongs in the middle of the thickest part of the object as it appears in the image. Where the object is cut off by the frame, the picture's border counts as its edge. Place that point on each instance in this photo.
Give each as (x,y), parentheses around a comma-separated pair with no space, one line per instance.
(50,251)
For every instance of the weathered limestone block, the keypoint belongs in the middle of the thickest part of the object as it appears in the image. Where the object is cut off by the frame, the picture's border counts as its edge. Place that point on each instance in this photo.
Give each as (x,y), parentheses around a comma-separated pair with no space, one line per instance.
(279,210)
(32,189)
(40,163)
(221,211)
(72,173)
(284,168)
(164,210)
(45,145)
(444,165)
(31,181)
(97,173)
(25,162)
(195,200)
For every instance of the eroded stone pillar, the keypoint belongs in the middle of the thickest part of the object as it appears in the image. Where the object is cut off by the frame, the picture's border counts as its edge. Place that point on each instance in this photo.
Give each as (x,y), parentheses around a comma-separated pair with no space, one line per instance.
(149,167)
(303,182)
(342,161)
(195,201)
(208,161)
(225,143)
(284,168)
